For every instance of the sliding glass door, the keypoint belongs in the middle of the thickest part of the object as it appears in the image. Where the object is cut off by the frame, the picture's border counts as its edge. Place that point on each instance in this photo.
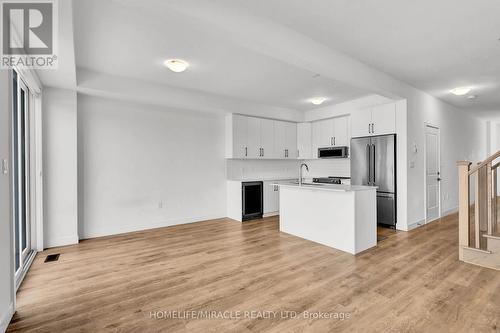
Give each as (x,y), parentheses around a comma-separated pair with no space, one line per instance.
(21,172)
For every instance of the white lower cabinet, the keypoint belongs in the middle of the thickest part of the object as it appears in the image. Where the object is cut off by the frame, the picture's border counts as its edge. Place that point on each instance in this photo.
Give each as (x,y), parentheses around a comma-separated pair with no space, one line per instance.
(271,197)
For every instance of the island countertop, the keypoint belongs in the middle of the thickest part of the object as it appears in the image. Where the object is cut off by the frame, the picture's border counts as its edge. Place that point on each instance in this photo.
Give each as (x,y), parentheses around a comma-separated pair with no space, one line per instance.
(327,187)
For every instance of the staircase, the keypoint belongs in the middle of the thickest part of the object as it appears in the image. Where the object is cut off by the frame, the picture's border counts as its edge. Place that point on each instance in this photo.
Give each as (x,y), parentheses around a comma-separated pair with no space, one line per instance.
(478,225)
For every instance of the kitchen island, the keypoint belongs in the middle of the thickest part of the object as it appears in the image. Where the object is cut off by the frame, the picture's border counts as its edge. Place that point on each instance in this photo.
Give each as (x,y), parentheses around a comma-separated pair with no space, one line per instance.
(340,216)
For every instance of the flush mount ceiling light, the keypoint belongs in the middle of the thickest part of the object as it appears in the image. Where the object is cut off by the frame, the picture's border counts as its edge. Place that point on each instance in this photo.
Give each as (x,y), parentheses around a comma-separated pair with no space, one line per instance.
(318,100)
(460,91)
(471,97)
(176,65)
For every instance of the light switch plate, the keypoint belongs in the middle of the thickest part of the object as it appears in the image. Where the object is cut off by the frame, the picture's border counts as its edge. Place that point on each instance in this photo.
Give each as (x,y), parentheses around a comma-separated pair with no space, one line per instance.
(5,168)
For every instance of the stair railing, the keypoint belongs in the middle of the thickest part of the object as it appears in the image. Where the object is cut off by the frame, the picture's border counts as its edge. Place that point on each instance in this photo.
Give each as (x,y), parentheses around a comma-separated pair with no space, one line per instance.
(485,202)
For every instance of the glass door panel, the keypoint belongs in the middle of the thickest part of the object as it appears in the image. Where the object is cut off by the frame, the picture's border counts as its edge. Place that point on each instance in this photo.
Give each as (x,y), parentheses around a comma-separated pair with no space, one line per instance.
(21,173)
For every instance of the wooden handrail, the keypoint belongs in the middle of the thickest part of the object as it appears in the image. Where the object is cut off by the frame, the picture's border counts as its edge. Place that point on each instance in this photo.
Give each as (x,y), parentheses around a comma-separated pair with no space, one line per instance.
(485,162)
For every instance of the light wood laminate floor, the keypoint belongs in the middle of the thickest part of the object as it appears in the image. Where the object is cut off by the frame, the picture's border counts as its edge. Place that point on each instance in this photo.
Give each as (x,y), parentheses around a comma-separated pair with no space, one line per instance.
(411,282)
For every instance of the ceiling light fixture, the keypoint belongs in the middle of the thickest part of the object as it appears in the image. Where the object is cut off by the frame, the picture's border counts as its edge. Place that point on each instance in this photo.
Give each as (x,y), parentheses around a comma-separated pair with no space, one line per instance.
(460,91)
(176,65)
(318,100)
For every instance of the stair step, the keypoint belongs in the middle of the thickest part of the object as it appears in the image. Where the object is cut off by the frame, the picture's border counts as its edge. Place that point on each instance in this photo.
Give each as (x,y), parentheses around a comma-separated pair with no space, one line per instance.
(481,258)
(492,236)
(476,250)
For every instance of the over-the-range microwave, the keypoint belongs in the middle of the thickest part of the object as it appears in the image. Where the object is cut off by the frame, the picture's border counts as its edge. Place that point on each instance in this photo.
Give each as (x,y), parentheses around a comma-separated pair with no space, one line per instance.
(333,152)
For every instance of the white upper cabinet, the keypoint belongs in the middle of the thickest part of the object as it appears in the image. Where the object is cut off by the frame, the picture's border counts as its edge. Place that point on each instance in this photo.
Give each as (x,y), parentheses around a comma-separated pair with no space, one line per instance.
(258,138)
(330,133)
(279,139)
(361,122)
(384,119)
(253,138)
(304,143)
(285,139)
(236,136)
(341,135)
(291,140)
(266,138)
(376,120)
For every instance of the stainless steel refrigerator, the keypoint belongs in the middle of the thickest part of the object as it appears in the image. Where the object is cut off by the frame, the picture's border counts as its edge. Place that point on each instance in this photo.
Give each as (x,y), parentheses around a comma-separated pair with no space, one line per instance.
(373,163)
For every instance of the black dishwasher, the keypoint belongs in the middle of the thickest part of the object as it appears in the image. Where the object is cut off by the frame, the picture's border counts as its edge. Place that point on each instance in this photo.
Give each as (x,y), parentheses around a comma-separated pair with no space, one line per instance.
(252,205)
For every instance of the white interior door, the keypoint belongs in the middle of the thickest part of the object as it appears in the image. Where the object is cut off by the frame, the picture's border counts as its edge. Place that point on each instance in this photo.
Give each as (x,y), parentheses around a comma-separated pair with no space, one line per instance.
(432,173)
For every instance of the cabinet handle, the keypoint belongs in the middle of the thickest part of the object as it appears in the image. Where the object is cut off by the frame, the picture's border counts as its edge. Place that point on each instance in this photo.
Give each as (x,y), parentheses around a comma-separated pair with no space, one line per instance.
(334,141)
(246,151)
(298,152)
(262,152)
(373,128)
(369,128)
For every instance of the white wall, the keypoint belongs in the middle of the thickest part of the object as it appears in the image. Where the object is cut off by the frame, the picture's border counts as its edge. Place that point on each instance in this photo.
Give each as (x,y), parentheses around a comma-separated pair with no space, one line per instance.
(143,166)
(463,137)
(60,167)
(6,245)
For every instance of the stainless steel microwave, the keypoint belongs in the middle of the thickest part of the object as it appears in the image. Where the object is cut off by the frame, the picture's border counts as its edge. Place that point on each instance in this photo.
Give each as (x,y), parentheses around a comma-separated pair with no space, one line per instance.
(333,152)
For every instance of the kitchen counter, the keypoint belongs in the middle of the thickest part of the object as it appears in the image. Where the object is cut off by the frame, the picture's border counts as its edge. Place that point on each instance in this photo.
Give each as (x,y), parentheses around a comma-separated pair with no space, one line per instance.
(343,217)
(326,187)
(263,179)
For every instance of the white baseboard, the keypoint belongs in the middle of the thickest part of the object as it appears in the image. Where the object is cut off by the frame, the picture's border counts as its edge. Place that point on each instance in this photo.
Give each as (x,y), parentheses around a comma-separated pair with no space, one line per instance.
(422,222)
(415,225)
(61,241)
(449,211)
(115,230)
(271,214)
(6,317)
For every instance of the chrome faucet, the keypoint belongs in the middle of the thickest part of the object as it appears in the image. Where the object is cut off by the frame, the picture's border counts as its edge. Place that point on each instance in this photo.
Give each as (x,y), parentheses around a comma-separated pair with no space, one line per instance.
(300,172)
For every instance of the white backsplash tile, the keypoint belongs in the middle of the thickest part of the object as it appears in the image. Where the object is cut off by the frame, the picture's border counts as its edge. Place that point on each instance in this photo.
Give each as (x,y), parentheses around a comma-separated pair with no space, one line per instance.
(267,169)
(261,169)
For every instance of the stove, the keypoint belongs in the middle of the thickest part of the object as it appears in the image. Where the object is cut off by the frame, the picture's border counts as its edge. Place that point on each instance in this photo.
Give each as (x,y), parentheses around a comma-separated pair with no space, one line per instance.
(328,180)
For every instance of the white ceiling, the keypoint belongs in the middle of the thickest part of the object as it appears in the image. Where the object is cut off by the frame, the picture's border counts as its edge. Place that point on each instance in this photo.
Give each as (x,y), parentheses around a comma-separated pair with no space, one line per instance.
(432,45)
(113,38)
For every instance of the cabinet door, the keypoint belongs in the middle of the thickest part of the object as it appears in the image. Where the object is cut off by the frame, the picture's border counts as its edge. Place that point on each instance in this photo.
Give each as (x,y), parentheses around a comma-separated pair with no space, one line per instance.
(253,137)
(270,193)
(240,132)
(322,132)
(384,119)
(341,131)
(316,138)
(279,139)
(291,140)
(304,143)
(267,138)
(360,122)
(327,128)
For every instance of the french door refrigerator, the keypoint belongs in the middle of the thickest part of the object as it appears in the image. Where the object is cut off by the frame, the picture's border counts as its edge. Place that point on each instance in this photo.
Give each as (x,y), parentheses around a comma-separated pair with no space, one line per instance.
(373,163)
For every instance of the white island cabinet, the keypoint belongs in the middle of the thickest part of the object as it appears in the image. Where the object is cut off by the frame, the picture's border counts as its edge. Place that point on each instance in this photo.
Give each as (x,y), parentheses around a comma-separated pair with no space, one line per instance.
(340,216)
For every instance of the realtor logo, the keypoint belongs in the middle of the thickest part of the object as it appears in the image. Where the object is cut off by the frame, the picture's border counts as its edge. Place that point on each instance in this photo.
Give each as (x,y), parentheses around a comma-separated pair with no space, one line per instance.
(29,34)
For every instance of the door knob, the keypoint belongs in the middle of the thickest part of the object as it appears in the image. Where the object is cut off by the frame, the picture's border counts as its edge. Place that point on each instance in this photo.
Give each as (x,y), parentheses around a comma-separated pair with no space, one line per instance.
(439,179)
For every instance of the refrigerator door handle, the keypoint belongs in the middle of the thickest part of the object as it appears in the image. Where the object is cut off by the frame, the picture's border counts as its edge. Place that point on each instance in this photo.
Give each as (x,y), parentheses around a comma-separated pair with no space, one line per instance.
(373,164)
(369,155)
